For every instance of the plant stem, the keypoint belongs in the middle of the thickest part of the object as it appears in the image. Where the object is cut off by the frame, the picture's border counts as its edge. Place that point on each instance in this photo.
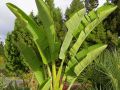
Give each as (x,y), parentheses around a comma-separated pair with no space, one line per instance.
(62,83)
(54,73)
(59,75)
(49,74)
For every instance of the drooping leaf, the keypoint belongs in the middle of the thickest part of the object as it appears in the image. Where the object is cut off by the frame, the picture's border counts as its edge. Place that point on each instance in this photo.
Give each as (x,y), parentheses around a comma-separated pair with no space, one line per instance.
(33,61)
(36,31)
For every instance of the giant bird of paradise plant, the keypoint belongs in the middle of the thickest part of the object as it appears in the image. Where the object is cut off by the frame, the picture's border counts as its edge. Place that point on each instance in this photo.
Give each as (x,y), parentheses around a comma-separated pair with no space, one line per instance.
(42,60)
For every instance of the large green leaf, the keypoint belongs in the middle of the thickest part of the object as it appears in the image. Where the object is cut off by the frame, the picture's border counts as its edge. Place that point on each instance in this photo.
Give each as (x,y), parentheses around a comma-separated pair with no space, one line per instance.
(101,15)
(88,59)
(79,56)
(75,19)
(44,14)
(84,33)
(36,31)
(33,60)
(85,62)
(72,25)
(92,15)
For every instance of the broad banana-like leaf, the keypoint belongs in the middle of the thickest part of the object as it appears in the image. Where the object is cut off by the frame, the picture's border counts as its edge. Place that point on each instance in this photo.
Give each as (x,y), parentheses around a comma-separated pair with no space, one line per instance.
(86,61)
(33,61)
(46,85)
(75,19)
(79,56)
(92,15)
(88,18)
(37,32)
(84,33)
(72,25)
(48,23)
(101,15)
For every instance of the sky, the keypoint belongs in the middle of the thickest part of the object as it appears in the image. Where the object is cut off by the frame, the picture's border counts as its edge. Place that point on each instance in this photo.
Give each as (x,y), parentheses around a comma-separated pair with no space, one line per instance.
(7,18)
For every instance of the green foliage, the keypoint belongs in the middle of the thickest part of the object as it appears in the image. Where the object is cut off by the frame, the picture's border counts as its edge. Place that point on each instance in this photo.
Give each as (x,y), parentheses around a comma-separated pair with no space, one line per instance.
(112,25)
(42,58)
(108,64)
(104,73)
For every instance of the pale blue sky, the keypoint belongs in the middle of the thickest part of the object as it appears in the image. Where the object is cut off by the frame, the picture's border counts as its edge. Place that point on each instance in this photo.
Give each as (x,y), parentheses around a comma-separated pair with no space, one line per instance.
(7,18)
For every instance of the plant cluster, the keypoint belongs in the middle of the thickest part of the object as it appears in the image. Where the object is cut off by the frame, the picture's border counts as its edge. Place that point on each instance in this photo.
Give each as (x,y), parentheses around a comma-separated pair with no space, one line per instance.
(42,58)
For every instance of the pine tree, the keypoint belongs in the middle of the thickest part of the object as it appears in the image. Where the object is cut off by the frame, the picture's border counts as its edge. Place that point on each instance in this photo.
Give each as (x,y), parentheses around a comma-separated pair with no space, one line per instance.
(14,62)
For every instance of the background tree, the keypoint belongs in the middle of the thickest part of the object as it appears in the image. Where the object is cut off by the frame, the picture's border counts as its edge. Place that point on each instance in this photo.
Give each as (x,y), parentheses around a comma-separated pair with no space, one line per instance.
(14,61)
(112,25)
(57,17)
(2,58)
